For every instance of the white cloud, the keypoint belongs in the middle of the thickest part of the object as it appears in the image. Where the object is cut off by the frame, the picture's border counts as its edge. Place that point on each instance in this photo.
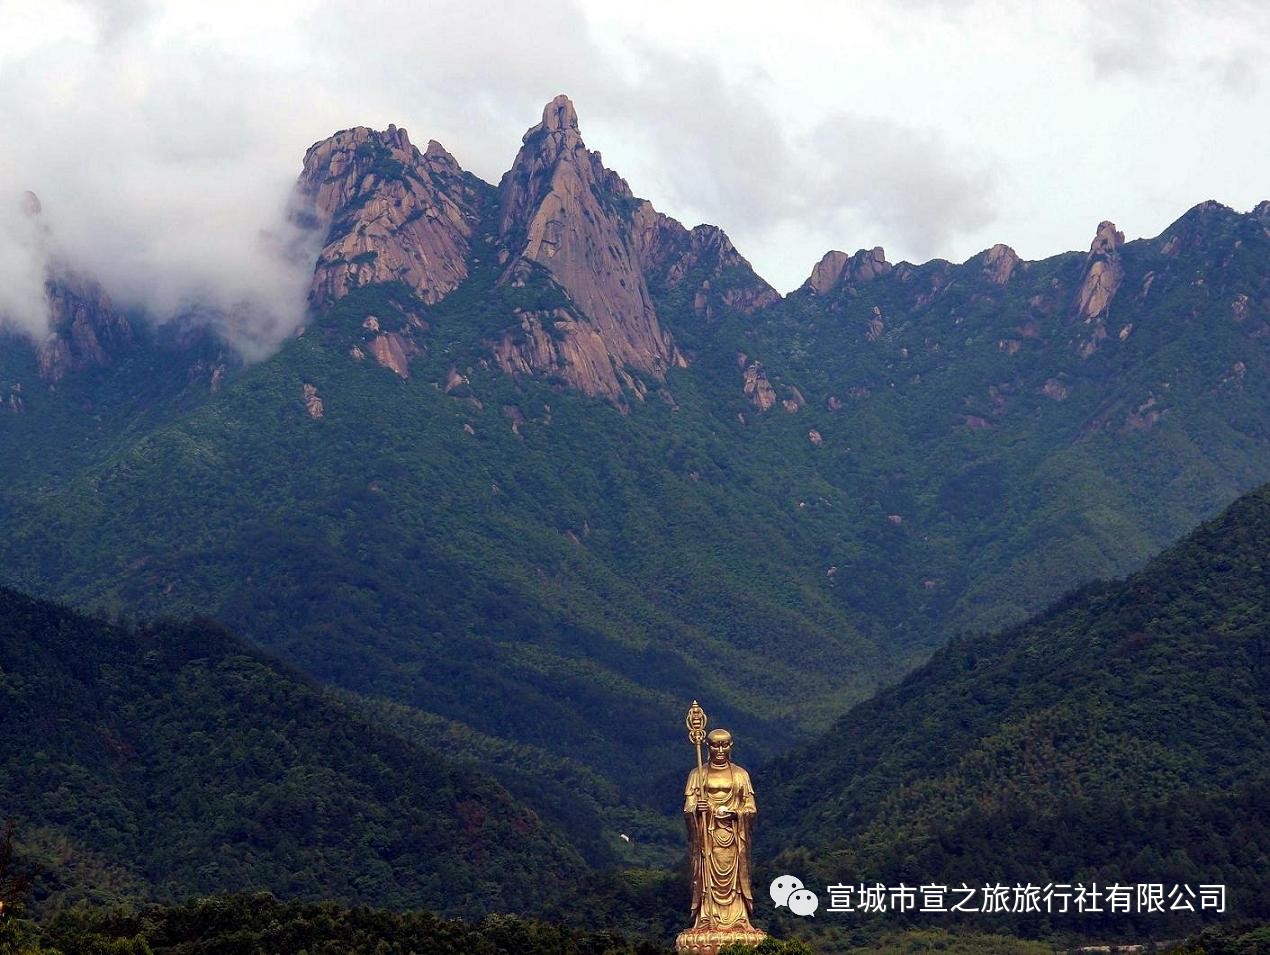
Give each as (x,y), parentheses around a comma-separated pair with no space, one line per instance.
(23,256)
(156,173)
(164,138)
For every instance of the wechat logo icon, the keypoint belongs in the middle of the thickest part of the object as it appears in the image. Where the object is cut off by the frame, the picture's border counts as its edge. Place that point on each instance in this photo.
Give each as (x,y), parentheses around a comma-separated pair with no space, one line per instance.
(788,890)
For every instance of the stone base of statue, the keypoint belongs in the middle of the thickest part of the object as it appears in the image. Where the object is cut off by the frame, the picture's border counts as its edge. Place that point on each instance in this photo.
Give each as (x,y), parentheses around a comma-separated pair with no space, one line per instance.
(703,940)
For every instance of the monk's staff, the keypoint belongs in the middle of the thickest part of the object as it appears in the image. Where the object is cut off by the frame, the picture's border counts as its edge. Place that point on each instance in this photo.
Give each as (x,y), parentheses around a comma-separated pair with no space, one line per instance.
(696,722)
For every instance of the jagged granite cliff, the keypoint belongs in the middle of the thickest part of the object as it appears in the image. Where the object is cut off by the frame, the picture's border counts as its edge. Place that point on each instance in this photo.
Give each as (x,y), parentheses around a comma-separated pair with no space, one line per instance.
(85,329)
(388,213)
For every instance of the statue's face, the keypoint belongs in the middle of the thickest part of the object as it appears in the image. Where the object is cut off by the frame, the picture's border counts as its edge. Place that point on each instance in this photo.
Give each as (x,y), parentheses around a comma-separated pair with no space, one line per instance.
(720,751)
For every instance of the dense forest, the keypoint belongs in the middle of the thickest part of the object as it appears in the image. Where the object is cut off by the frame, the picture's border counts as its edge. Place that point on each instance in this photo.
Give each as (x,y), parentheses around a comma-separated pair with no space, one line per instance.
(259,924)
(1121,737)
(154,761)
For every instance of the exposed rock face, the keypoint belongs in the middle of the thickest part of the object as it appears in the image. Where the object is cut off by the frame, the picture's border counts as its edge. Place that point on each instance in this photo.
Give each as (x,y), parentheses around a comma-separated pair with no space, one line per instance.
(387,212)
(562,210)
(313,402)
(999,262)
(669,255)
(837,268)
(827,271)
(391,348)
(86,331)
(1103,273)
(560,345)
(757,388)
(1054,389)
(876,325)
(1107,240)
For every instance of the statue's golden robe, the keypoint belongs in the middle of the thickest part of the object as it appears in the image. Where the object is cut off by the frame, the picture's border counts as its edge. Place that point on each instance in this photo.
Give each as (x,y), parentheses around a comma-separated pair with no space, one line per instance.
(720,841)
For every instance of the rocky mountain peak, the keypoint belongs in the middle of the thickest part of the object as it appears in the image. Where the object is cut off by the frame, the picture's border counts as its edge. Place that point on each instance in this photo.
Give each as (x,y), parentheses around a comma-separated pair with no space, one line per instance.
(562,211)
(869,264)
(1107,239)
(837,268)
(558,115)
(999,262)
(827,271)
(438,158)
(398,138)
(1104,272)
(85,328)
(704,257)
(385,212)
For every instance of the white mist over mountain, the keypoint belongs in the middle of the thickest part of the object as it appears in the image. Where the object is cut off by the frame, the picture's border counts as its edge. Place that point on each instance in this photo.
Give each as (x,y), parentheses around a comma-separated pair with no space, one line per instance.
(163,140)
(155,176)
(23,260)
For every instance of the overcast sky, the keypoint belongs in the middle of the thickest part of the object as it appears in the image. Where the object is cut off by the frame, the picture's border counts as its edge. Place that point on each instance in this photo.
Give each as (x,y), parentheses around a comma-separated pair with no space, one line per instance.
(163,138)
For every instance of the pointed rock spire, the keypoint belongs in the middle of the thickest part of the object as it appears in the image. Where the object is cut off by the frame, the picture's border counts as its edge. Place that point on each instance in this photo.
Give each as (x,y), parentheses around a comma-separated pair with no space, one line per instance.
(1107,239)
(559,114)
(561,210)
(1103,273)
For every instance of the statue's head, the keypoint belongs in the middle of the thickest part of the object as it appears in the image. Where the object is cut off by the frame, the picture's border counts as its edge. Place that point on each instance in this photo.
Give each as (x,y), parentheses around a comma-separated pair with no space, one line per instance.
(720,743)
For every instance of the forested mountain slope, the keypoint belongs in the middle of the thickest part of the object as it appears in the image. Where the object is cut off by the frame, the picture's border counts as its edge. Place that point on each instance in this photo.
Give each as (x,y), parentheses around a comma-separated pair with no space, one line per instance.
(1122,736)
(169,759)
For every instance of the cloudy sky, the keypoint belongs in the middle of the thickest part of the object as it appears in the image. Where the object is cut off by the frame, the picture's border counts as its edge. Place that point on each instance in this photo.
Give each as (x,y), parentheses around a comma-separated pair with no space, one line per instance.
(162,138)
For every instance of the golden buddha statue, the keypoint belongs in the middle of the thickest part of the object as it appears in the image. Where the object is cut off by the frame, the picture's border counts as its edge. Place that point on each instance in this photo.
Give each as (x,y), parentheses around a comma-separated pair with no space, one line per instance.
(719,810)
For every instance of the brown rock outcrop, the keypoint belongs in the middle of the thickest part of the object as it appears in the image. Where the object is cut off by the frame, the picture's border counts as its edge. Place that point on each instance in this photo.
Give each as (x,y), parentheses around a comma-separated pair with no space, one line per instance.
(392,341)
(1104,273)
(998,263)
(85,329)
(1055,389)
(876,326)
(559,345)
(827,271)
(313,402)
(386,213)
(869,264)
(757,388)
(837,268)
(562,210)
(393,351)
(669,255)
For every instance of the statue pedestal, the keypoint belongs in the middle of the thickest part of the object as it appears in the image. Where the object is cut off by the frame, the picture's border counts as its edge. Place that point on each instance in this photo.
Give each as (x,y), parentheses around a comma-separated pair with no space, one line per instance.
(708,941)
